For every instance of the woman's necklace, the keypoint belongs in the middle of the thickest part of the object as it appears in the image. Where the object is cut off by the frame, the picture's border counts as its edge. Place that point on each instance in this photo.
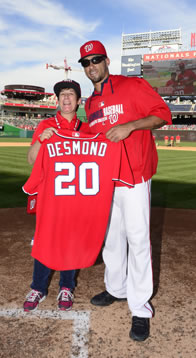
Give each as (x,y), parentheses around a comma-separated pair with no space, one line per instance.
(59,126)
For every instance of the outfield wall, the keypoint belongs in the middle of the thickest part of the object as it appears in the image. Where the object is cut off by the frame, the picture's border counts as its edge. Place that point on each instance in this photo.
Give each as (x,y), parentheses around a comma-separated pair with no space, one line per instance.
(185,135)
(11,131)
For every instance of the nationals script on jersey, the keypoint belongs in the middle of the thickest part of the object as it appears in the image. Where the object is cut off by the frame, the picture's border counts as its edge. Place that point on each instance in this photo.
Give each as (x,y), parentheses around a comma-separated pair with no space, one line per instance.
(74,176)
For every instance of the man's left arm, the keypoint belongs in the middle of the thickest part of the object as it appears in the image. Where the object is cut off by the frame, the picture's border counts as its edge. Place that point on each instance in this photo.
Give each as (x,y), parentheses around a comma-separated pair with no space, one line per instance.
(151,110)
(122,131)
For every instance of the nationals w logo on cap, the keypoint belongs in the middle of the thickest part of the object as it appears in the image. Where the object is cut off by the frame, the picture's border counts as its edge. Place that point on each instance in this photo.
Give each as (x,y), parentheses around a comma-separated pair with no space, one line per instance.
(88,47)
(92,48)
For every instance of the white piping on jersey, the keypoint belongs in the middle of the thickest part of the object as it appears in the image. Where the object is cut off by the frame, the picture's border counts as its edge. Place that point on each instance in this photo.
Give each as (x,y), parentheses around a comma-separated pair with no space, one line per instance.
(124,182)
(67,136)
(26,192)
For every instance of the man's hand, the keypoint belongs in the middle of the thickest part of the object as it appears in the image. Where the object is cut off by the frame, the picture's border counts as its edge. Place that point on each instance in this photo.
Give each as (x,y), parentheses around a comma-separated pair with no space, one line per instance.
(34,149)
(122,131)
(47,133)
(119,132)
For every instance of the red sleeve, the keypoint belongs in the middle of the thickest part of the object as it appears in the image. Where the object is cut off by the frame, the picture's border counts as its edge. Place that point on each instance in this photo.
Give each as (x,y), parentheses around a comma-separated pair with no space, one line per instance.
(37,132)
(31,185)
(149,102)
(45,123)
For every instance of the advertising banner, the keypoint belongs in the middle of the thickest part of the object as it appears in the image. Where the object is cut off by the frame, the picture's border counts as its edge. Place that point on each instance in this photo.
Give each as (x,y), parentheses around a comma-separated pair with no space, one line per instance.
(131,65)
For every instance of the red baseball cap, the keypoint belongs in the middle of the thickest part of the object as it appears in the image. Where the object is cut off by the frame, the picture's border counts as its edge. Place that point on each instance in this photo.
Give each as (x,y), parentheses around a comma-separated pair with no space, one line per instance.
(92,48)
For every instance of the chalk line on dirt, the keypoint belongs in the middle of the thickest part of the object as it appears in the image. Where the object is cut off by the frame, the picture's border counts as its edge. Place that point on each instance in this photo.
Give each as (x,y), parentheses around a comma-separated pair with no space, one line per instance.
(81,325)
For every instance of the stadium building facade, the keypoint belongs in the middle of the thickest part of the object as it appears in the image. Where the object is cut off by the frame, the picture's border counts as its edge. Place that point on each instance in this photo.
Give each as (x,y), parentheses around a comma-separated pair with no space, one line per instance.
(22,107)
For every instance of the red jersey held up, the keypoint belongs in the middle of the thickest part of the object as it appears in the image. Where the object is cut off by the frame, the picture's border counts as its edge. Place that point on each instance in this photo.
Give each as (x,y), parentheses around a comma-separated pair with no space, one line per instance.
(74,176)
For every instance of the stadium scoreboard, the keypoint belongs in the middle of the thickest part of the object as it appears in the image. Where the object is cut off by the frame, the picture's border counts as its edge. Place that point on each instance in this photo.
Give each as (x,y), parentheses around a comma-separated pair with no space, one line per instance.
(170,74)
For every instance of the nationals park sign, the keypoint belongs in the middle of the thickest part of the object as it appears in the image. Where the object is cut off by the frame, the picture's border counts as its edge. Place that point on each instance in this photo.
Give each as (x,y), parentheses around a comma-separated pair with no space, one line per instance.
(182,55)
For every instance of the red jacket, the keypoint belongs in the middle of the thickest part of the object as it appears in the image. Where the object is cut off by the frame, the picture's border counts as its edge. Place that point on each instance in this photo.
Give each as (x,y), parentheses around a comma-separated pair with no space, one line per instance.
(123,99)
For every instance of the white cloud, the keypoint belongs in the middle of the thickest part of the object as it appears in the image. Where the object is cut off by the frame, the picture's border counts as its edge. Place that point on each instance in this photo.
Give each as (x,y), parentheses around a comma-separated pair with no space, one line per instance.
(3,25)
(45,12)
(42,30)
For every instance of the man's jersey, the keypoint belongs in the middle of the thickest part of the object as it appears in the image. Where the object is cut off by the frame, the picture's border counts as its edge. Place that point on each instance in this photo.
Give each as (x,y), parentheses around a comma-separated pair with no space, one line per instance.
(172,83)
(74,176)
(186,79)
(123,99)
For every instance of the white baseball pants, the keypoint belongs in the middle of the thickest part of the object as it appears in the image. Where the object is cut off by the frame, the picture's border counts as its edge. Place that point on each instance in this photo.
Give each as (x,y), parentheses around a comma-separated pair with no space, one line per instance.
(127,250)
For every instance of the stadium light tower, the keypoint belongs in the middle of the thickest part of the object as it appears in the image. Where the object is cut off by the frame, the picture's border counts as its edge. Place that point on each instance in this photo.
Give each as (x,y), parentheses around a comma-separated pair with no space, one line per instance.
(152,40)
(66,68)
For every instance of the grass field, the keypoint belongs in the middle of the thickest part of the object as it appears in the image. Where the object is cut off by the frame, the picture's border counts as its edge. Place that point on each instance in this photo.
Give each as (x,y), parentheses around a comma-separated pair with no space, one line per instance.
(14,172)
(15,140)
(174,185)
(28,140)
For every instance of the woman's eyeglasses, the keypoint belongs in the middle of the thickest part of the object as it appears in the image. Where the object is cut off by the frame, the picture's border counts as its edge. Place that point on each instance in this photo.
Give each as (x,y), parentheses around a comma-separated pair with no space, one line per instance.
(95,60)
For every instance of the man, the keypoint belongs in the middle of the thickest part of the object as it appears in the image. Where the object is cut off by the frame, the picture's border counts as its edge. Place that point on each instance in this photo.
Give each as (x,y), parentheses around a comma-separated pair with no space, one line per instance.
(69,97)
(186,78)
(126,109)
(172,82)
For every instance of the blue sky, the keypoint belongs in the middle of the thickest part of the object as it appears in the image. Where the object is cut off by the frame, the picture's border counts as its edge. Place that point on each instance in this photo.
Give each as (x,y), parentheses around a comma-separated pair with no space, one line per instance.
(36,32)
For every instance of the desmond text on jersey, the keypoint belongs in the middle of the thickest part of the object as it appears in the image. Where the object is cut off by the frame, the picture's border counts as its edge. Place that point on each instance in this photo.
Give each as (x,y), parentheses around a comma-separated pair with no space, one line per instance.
(76,147)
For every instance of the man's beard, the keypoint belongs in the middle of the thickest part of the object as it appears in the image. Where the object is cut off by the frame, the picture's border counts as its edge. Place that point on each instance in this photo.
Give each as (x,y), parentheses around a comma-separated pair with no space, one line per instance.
(98,79)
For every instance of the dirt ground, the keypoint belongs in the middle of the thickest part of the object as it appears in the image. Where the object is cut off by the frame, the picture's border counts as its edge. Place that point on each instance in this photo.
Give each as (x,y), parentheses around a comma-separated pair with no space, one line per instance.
(97,332)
